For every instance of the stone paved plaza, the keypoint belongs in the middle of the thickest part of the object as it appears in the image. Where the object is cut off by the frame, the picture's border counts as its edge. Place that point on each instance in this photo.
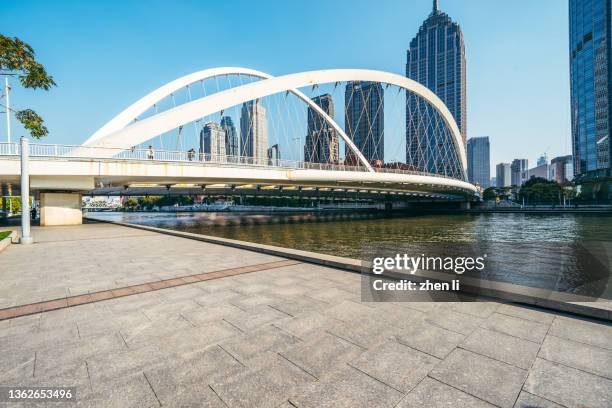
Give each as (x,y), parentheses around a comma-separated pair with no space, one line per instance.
(283,337)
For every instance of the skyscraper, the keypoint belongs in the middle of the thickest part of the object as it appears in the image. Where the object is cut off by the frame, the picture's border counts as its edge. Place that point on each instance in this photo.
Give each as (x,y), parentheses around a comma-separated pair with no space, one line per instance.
(503,175)
(591,92)
(479,162)
(321,140)
(561,169)
(212,140)
(364,120)
(436,59)
(231,138)
(254,130)
(517,168)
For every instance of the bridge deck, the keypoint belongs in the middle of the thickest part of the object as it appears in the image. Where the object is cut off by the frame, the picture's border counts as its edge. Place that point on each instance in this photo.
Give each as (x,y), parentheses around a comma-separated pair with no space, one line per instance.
(295,333)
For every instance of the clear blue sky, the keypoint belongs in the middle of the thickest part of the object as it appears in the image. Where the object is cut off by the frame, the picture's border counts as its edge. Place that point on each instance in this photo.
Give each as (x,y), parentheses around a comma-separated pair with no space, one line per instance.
(106,54)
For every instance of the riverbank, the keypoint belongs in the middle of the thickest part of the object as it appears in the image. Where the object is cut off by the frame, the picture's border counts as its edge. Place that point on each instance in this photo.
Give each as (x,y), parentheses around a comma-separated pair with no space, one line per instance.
(295,335)
(603,210)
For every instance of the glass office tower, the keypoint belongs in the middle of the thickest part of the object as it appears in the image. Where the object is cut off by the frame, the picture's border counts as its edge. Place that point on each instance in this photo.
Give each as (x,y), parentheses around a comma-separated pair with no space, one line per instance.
(590,81)
(479,163)
(436,59)
(364,120)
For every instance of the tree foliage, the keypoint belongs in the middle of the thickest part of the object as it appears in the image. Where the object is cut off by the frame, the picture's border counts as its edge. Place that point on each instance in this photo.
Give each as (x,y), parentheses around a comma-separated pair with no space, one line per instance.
(33,122)
(489,193)
(18,58)
(539,190)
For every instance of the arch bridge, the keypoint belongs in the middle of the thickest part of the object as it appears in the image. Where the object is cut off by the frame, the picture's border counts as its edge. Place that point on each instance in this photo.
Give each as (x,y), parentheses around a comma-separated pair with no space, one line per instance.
(132,151)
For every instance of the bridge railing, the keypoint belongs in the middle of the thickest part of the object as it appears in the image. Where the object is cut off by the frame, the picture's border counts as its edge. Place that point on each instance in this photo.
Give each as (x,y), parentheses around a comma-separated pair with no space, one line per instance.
(56,151)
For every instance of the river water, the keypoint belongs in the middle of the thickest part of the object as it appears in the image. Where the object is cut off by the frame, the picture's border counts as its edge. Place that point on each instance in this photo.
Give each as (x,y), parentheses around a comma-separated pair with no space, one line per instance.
(566,252)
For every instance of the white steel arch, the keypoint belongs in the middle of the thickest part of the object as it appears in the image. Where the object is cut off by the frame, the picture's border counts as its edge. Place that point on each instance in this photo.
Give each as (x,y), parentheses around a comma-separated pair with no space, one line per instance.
(125,118)
(146,102)
(144,130)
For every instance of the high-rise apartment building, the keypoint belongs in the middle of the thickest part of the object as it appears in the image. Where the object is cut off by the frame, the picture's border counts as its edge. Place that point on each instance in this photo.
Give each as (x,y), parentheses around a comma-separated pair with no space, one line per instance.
(590,49)
(503,175)
(212,140)
(364,120)
(254,130)
(436,59)
(321,140)
(231,137)
(517,168)
(479,162)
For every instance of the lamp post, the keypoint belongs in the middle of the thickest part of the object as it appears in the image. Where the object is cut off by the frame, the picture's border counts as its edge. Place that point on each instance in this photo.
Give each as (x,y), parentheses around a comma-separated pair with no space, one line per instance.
(26,238)
(8,109)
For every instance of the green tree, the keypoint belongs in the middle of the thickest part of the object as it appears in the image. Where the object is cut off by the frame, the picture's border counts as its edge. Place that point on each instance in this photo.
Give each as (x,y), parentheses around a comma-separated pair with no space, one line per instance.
(130,204)
(489,193)
(539,190)
(17,59)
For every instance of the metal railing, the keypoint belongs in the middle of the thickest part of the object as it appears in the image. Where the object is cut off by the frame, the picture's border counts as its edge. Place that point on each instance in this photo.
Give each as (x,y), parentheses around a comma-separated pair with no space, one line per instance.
(41,151)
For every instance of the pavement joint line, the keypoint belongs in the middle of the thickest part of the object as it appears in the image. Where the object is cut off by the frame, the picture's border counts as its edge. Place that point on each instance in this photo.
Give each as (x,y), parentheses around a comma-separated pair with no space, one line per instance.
(535,359)
(115,293)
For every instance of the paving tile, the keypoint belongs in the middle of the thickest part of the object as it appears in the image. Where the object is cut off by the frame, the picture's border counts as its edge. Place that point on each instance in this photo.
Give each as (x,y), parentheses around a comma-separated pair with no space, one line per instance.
(454,321)
(347,387)
(430,339)
(185,382)
(194,338)
(249,345)
(126,392)
(568,386)
(434,394)
(527,400)
(55,304)
(362,333)
(349,311)
(257,317)
(322,354)
(396,365)
(204,315)
(307,325)
(596,334)
(527,313)
(474,374)
(16,365)
(475,308)
(514,326)
(250,301)
(502,347)
(105,322)
(298,304)
(106,367)
(578,355)
(95,297)
(267,386)
(331,294)
(49,359)
(148,330)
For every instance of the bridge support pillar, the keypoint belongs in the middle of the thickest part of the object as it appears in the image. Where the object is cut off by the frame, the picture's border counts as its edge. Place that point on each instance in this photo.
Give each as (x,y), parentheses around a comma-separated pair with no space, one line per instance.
(466,205)
(60,209)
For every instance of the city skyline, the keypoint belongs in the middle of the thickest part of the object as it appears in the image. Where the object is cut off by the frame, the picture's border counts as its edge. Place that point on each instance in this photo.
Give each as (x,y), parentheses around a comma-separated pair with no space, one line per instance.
(510,124)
